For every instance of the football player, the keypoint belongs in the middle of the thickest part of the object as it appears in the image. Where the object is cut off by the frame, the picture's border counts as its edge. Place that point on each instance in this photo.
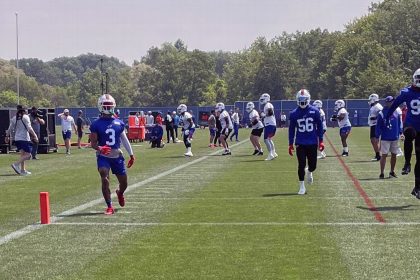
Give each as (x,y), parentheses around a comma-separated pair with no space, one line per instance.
(342,117)
(188,128)
(318,105)
(306,133)
(107,134)
(374,110)
(227,126)
(411,96)
(257,128)
(269,125)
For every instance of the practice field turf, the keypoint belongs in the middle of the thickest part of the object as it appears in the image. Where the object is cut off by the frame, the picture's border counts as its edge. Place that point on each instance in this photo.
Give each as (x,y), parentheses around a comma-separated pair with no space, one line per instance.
(212,217)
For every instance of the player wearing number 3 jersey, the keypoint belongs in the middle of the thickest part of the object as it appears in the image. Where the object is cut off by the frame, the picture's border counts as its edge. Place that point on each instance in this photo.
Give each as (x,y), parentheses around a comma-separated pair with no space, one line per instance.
(306,132)
(411,96)
(107,135)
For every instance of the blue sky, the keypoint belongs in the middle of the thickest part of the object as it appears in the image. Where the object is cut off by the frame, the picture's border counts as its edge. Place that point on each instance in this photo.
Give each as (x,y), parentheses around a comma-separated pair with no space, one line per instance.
(126,29)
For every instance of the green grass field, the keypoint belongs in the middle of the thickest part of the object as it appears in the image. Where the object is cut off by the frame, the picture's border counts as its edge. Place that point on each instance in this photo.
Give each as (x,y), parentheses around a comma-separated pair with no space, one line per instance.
(211,217)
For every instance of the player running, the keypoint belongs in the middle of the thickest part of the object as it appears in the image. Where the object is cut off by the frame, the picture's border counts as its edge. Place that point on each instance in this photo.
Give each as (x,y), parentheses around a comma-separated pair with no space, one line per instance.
(257,128)
(227,126)
(269,125)
(188,128)
(107,134)
(306,125)
(344,124)
(411,96)
(318,105)
(375,108)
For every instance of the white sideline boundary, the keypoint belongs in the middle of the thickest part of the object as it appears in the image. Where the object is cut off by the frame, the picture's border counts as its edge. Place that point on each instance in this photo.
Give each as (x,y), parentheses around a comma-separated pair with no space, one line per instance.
(54,219)
(243,224)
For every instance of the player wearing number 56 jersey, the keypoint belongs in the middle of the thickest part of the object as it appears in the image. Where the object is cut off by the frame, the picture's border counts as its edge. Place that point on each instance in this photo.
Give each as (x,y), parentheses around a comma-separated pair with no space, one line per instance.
(107,135)
(306,132)
(411,96)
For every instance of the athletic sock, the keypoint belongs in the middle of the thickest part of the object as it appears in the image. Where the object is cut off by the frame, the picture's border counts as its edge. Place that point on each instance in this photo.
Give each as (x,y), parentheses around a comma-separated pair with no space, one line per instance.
(109,203)
(346,149)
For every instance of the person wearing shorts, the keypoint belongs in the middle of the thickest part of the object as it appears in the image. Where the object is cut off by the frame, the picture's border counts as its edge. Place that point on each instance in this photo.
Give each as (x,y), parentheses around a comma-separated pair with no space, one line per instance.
(20,131)
(389,133)
(67,123)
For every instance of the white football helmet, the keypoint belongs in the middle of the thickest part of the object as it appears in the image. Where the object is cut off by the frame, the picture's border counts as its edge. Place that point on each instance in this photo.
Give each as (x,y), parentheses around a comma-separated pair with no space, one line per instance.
(220,107)
(264,99)
(106,104)
(182,108)
(416,78)
(303,98)
(373,98)
(339,104)
(317,104)
(249,107)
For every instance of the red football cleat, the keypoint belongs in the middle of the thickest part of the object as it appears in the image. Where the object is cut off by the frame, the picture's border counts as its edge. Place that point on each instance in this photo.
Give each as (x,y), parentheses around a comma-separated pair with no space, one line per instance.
(121,199)
(109,211)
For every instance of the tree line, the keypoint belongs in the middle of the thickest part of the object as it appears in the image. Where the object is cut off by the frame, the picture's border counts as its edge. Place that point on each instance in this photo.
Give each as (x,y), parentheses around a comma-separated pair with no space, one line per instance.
(376,53)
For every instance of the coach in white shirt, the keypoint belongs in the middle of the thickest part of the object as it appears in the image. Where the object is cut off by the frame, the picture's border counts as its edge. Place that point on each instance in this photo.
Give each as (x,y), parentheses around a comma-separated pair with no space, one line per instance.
(67,123)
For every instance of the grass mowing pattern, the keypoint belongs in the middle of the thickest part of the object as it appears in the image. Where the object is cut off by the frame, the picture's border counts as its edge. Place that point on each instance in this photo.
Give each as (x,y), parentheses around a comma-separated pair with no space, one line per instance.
(237,189)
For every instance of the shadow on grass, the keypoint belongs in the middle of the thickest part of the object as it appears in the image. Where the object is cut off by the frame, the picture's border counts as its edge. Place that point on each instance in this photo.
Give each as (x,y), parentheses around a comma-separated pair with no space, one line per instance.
(390,208)
(253,160)
(361,161)
(278,194)
(174,157)
(7,175)
(373,179)
(85,214)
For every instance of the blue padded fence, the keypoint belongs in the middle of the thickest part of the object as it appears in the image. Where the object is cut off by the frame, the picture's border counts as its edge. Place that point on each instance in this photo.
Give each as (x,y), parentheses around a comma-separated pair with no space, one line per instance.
(358,110)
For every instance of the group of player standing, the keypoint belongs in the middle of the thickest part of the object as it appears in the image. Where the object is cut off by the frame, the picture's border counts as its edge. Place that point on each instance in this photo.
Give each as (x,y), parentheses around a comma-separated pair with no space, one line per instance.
(306,131)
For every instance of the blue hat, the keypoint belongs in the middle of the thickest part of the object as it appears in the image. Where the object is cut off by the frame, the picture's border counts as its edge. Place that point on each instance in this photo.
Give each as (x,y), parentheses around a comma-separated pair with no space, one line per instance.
(389,98)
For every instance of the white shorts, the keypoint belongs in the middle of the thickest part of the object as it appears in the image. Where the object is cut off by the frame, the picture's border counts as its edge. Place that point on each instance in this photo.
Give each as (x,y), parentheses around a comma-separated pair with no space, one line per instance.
(390,146)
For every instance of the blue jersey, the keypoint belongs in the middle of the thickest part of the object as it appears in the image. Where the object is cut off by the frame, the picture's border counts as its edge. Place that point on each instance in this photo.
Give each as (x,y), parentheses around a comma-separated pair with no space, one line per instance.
(109,131)
(411,96)
(176,120)
(306,124)
(157,132)
(388,131)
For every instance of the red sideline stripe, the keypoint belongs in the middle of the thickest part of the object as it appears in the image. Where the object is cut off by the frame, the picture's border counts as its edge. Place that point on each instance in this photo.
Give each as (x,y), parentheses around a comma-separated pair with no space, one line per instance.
(356,183)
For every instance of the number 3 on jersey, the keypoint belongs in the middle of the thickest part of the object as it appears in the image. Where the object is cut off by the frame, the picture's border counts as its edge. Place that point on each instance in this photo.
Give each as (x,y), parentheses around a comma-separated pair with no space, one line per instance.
(305,125)
(111,134)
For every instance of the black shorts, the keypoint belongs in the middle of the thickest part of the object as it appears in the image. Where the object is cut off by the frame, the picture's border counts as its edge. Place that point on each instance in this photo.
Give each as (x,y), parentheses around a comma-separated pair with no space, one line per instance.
(225,132)
(372,131)
(257,131)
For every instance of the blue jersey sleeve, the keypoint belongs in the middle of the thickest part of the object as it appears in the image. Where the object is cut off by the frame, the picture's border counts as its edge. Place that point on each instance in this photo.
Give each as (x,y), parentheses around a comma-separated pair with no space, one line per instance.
(292,128)
(397,102)
(93,127)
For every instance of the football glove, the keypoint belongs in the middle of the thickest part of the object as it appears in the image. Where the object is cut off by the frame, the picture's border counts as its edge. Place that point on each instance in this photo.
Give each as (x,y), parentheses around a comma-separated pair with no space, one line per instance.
(186,132)
(321,146)
(104,150)
(333,118)
(131,161)
(291,150)
(226,132)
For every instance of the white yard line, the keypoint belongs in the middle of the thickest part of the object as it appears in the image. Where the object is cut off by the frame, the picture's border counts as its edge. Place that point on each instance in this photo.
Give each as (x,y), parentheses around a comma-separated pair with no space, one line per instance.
(245,224)
(31,228)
